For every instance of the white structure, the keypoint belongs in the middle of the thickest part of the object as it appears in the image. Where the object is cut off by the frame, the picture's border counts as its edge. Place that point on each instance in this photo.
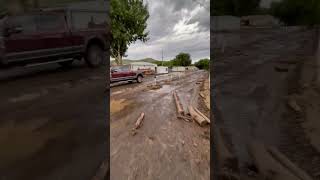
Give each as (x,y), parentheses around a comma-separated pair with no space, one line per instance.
(178,69)
(267,3)
(261,20)
(145,66)
(225,23)
(162,70)
(191,68)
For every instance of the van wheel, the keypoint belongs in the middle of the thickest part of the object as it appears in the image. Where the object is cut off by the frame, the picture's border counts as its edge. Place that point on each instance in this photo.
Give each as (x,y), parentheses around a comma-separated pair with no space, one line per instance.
(66,64)
(139,79)
(94,56)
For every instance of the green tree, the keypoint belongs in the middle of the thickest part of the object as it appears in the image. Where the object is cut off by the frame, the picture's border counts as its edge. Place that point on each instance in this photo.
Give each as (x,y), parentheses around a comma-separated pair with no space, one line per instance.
(182,59)
(128,24)
(203,64)
(297,12)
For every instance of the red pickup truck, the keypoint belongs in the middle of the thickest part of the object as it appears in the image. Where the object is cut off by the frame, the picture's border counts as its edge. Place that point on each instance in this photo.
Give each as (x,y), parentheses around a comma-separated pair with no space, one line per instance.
(125,73)
(58,35)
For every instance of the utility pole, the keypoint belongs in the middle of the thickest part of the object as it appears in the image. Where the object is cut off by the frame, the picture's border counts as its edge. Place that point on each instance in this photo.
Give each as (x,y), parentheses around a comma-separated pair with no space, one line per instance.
(162,58)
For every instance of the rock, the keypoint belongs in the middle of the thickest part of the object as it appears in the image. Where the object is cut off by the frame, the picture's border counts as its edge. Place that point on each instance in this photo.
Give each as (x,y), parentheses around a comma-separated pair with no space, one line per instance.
(294,105)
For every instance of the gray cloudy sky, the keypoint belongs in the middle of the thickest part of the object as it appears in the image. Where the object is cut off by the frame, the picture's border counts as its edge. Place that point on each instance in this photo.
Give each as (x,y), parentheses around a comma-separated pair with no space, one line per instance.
(175,26)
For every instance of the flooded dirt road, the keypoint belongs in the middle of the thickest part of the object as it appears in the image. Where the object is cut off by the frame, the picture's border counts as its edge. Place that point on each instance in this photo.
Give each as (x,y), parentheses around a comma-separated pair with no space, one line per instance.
(164,147)
(254,81)
(53,123)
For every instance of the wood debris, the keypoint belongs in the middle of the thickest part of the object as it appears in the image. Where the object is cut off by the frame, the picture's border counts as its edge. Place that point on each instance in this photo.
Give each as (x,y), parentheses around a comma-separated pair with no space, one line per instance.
(197,117)
(139,121)
(178,104)
(202,115)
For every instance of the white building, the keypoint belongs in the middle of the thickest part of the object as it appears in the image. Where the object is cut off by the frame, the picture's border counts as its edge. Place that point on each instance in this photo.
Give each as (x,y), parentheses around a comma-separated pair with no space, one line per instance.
(144,66)
(178,69)
(260,20)
(267,3)
(162,70)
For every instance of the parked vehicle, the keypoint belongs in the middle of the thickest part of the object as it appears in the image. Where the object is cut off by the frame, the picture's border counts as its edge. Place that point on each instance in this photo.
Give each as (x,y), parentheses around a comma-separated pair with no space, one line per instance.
(125,73)
(58,35)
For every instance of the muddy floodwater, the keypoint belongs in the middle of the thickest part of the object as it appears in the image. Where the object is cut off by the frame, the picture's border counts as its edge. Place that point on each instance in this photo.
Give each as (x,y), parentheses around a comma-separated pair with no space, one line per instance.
(164,147)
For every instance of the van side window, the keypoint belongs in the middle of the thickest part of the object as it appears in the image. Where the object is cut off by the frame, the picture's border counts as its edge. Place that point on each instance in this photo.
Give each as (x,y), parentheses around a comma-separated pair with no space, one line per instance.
(88,20)
(26,23)
(50,23)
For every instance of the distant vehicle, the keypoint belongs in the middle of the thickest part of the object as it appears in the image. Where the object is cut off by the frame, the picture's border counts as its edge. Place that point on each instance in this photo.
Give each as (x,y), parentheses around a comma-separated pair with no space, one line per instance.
(58,35)
(124,73)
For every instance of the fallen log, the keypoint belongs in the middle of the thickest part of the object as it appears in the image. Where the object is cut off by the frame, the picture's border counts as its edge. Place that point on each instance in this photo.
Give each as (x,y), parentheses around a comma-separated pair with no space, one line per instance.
(184,106)
(288,164)
(194,96)
(139,121)
(198,118)
(202,115)
(178,104)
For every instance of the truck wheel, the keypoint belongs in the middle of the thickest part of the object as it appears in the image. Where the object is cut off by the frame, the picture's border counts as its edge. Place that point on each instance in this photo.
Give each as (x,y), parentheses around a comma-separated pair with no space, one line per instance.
(94,56)
(139,79)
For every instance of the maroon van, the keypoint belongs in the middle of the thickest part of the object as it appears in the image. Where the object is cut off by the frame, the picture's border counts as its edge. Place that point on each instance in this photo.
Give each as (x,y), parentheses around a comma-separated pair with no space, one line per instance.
(125,73)
(54,36)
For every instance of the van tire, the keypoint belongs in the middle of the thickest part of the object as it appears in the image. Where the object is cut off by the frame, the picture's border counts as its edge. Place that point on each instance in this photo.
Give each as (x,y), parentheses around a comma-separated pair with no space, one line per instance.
(139,79)
(94,56)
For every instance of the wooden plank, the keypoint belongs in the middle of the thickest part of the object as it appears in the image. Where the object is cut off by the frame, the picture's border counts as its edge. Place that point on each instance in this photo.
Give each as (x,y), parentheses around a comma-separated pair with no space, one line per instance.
(178,104)
(198,118)
(201,114)
(139,121)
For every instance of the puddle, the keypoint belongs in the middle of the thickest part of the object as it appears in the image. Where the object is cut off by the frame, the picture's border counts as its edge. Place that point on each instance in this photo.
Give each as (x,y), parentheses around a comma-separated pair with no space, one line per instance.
(118,105)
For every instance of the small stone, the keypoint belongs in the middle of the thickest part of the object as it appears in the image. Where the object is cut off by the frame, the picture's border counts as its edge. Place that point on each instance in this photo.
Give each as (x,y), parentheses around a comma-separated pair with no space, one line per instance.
(182,142)
(294,106)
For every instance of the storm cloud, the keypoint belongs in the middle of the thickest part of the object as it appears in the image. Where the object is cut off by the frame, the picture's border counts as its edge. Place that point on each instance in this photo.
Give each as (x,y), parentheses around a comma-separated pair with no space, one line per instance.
(175,26)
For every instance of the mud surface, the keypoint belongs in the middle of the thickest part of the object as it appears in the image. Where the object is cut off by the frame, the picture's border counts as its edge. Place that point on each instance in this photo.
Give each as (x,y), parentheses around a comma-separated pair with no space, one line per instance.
(164,147)
(253,79)
(53,122)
